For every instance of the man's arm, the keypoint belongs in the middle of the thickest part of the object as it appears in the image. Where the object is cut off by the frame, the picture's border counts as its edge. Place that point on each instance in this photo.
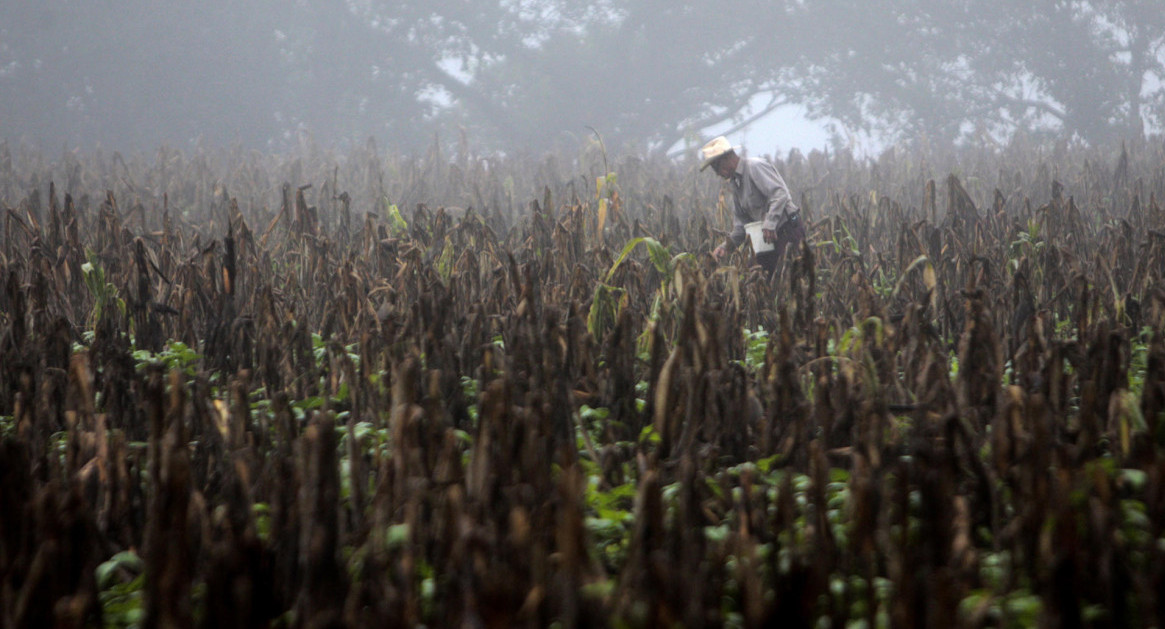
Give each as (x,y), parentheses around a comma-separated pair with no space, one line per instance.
(736,236)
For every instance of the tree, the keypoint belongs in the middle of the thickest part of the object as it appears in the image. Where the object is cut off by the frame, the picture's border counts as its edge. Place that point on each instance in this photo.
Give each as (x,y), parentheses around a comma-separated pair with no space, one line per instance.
(1090,64)
(521,74)
(649,73)
(644,72)
(952,68)
(527,74)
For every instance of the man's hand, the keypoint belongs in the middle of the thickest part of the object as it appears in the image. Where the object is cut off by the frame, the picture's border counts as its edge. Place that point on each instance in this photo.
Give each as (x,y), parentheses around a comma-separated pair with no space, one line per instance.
(719,252)
(770,235)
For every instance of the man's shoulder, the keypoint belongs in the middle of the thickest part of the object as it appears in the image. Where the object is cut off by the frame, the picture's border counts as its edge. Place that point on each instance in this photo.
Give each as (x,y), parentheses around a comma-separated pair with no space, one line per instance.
(755,164)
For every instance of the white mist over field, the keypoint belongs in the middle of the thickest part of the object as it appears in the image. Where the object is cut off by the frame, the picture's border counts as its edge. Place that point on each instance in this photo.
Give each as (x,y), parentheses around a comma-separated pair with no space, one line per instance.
(538,75)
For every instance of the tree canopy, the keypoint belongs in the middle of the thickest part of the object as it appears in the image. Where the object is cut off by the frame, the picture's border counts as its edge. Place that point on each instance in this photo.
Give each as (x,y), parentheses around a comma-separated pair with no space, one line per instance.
(529,74)
(1094,69)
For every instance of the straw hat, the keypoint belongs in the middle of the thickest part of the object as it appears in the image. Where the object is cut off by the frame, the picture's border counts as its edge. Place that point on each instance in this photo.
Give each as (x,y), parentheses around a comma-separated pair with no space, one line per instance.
(715,148)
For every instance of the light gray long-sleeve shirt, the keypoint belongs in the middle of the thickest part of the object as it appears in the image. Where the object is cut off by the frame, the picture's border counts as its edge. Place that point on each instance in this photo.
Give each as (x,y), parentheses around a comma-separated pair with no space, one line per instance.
(758,194)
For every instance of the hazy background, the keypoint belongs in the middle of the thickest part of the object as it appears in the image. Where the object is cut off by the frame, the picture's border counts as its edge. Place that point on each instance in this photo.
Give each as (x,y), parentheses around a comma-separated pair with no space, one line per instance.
(650,76)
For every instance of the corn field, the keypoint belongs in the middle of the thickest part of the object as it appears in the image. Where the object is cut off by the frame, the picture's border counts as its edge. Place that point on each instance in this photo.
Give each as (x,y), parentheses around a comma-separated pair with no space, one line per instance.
(355,390)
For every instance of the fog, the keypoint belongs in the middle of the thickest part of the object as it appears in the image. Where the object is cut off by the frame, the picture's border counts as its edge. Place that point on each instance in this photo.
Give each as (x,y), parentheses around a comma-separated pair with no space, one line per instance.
(538,75)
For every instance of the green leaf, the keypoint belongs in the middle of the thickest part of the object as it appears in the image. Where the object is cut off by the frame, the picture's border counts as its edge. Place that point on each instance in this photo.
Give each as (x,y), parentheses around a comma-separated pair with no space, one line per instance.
(1134,478)
(648,435)
(604,309)
(766,464)
(716,534)
(397,225)
(659,254)
(593,414)
(397,535)
(838,475)
(126,559)
(445,261)
(623,255)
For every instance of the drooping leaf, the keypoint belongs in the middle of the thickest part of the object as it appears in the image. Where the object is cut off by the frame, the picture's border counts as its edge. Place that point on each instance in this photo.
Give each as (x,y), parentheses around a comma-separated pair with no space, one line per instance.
(627,249)
(660,256)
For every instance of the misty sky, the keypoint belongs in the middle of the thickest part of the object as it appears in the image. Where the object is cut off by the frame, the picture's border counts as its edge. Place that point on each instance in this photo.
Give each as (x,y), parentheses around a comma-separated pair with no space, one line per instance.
(784,129)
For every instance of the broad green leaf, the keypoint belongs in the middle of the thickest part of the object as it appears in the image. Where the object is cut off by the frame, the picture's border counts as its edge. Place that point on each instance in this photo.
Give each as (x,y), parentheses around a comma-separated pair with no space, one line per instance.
(659,255)
(623,255)
(397,225)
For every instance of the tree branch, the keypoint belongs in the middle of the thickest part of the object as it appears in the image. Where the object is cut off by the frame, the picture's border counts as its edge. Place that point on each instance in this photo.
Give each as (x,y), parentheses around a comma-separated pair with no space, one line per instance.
(773,104)
(474,98)
(1043,106)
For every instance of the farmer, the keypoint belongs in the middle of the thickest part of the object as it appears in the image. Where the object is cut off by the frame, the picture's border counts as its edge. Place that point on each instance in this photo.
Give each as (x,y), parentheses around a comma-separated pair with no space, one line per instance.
(758,194)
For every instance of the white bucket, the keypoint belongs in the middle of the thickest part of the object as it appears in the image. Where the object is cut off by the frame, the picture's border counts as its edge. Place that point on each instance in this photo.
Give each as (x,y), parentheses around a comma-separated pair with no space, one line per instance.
(758,240)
